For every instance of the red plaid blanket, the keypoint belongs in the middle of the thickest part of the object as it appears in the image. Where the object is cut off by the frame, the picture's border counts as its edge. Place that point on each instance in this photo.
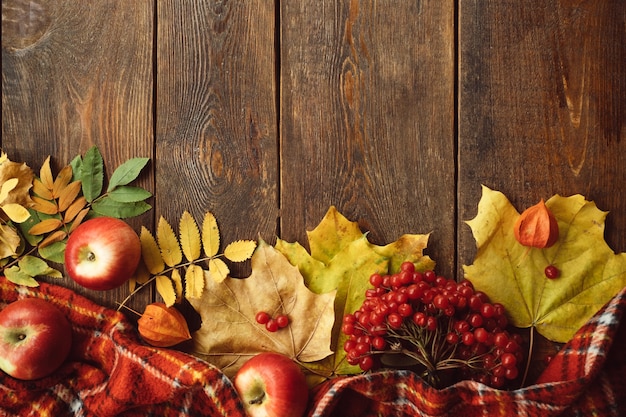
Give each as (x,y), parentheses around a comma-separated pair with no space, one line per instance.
(111,373)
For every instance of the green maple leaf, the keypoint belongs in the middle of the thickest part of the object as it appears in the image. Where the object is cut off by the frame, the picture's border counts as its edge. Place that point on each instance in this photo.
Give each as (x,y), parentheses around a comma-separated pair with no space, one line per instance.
(343,259)
(509,273)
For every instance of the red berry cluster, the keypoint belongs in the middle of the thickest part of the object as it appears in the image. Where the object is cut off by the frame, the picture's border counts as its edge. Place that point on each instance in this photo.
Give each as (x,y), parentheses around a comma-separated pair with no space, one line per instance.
(447,328)
(272,324)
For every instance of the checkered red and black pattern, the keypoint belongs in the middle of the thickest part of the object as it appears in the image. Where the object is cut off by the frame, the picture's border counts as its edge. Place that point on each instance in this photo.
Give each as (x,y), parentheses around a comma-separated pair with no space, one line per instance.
(111,373)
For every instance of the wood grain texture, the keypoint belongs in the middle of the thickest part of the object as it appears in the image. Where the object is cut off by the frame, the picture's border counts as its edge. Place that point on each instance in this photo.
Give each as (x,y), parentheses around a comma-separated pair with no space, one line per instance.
(367,119)
(74,75)
(542,103)
(216,128)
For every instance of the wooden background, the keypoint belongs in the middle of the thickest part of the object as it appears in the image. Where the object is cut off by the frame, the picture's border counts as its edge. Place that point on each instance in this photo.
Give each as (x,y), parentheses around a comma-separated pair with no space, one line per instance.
(266,112)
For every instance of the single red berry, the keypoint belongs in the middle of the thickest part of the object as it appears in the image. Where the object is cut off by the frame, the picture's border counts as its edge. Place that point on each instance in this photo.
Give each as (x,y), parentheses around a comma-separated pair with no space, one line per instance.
(282,320)
(376,280)
(552,272)
(271,325)
(262,317)
(366,363)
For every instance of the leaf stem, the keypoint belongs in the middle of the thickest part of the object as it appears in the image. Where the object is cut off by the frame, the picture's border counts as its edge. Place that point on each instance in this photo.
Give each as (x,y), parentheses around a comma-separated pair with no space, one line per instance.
(531,343)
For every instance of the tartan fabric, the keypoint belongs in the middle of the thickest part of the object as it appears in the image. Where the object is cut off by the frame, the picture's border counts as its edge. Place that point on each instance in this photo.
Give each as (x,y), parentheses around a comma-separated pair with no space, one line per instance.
(586,378)
(111,373)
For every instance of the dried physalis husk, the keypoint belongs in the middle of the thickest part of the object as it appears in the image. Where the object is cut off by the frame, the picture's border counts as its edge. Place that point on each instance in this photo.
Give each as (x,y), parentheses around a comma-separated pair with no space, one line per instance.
(163,326)
(537,227)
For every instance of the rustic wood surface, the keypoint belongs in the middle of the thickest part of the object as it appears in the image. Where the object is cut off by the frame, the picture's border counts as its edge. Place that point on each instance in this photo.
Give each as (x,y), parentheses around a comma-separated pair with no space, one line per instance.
(267,113)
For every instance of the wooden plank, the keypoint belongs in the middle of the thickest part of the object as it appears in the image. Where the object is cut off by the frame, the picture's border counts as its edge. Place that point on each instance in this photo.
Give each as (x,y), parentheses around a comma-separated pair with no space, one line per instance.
(367,119)
(76,75)
(216,116)
(543,106)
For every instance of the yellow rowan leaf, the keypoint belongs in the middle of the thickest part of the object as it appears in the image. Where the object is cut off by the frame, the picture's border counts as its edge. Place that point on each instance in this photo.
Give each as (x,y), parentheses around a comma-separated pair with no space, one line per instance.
(16,212)
(165,288)
(45,226)
(150,252)
(41,190)
(45,173)
(218,269)
(45,206)
(68,194)
(74,208)
(55,237)
(79,218)
(194,280)
(240,250)
(170,250)
(61,181)
(210,235)
(177,280)
(189,237)
(140,276)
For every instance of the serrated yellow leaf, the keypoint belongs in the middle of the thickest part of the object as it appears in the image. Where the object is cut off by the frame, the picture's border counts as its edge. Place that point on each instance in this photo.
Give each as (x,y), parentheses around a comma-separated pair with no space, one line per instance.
(165,288)
(194,280)
(150,252)
(7,187)
(189,237)
(45,206)
(45,174)
(41,190)
(170,250)
(45,226)
(240,250)
(218,269)
(68,194)
(210,235)
(178,285)
(16,212)
(61,181)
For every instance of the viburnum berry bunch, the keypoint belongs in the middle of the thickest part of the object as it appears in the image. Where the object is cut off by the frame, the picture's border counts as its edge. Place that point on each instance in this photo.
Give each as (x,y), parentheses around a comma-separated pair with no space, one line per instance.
(444,328)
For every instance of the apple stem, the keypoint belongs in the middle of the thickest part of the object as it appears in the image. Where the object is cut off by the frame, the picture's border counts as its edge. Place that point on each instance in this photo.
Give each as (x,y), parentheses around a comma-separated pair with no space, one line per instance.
(257,400)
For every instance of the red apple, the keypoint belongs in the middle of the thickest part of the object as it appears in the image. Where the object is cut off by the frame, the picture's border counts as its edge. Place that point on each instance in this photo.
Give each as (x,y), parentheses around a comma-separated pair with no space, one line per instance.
(102,253)
(35,338)
(272,385)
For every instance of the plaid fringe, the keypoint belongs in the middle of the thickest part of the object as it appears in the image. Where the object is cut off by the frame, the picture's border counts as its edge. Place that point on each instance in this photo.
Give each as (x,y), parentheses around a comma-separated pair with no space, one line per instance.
(110,372)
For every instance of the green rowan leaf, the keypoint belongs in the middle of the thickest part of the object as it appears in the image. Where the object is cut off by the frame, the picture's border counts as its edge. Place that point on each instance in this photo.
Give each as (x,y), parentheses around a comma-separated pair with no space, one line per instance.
(92,174)
(129,194)
(127,172)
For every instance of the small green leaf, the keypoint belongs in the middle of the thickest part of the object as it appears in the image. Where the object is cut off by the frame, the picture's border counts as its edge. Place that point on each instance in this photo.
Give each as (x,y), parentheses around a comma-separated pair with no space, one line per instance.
(33,266)
(92,174)
(19,277)
(54,252)
(106,206)
(127,172)
(76,164)
(128,194)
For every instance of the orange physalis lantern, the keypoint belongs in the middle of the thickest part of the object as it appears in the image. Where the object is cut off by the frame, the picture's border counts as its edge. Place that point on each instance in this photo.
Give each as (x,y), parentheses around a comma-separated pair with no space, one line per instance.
(163,326)
(537,227)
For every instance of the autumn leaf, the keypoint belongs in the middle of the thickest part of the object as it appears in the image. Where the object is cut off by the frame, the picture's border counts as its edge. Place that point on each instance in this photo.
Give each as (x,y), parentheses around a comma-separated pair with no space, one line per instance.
(189,237)
(230,335)
(210,235)
(240,250)
(513,274)
(168,243)
(342,259)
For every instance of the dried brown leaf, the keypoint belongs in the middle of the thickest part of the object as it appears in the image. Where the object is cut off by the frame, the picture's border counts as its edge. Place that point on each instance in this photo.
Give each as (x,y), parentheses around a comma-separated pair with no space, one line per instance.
(57,236)
(79,218)
(40,190)
(68,194)
(45,206)
(74,208)
(45,174)
(45,226)
(61,181)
